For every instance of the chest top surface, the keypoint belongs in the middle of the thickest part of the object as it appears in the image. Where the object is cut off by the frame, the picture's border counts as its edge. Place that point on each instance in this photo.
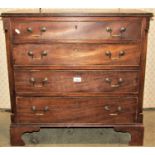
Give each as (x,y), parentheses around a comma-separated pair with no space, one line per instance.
(76,12)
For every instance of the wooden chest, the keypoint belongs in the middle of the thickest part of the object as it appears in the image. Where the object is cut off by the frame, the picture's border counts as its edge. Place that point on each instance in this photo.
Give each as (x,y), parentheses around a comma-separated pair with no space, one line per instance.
(76,69)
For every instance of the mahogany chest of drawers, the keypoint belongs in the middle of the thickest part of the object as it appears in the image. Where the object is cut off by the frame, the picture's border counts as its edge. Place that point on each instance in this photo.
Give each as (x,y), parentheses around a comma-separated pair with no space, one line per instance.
(76,69)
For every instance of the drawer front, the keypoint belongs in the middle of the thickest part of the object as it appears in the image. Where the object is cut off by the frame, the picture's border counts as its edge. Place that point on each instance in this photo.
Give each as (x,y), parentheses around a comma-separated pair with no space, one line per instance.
(96,30)
(76,81)
(76,110)
(77,54)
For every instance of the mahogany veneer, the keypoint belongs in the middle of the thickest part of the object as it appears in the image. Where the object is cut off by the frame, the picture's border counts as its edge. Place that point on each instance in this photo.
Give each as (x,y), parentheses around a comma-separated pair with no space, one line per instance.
(77,54)
(76,69)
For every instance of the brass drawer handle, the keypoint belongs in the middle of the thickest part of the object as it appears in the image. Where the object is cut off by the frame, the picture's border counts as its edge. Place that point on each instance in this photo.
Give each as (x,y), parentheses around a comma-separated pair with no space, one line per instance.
(106,108)
(37,84)
(118,84)
(42,29)
(109,30)
(39,112)
(115,85)
(116,35)
(42,54)
(113,114)
(109,54)
(36,35)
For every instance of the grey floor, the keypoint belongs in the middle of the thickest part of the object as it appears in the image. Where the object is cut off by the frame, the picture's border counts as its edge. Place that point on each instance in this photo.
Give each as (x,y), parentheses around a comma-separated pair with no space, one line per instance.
(78,136)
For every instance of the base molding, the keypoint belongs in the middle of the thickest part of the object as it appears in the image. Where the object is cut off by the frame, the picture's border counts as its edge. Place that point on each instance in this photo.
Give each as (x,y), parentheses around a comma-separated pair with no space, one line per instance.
(137,134)
(16,133)
(17,130)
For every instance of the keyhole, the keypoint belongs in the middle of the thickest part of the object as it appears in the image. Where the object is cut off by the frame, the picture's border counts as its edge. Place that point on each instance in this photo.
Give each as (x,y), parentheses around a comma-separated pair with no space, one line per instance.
(76,27)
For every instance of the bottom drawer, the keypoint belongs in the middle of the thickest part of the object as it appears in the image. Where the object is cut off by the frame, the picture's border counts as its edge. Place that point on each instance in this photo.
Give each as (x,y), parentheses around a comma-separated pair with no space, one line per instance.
(114,110)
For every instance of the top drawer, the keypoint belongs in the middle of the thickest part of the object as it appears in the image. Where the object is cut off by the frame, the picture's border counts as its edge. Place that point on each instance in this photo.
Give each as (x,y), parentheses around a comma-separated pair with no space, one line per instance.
(105,30)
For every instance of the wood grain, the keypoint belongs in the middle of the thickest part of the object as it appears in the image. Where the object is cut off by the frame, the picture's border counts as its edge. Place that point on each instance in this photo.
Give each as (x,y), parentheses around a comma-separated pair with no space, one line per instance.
(76,110)
(63,81)
(76,54)
(76,30)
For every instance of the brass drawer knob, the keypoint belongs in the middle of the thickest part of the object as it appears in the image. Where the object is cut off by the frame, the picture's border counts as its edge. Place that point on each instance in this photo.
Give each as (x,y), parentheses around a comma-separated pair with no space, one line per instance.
(108,29)
(29,29)
(46,108)
(106,108)
(121,53)
(44,81)
(30,53)
(107,80)
(33,108)
(119,108)
(44,53)
(108,53)
(120,80)
(32,80)
(43,29)
(122,29)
